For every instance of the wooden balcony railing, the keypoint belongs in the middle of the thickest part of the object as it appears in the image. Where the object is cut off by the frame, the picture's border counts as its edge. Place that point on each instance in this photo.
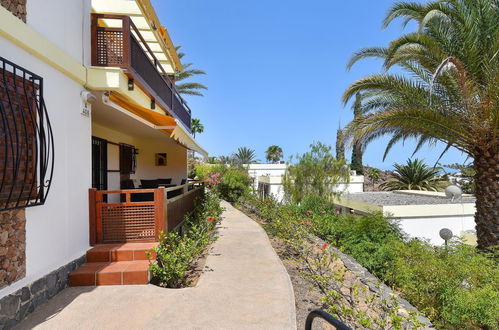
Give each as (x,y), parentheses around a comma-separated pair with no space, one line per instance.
(118,216)
(123,47)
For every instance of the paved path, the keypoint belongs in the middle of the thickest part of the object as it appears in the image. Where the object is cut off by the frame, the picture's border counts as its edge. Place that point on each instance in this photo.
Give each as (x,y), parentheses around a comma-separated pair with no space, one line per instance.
(246,287)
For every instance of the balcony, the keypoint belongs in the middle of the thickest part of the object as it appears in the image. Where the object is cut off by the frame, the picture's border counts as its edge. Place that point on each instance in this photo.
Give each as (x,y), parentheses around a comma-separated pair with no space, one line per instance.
(121,45)
(120,216)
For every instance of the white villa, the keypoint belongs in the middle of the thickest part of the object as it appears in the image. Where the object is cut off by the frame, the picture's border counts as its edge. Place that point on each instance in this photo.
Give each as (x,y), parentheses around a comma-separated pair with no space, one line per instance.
(267,181)
(96,139)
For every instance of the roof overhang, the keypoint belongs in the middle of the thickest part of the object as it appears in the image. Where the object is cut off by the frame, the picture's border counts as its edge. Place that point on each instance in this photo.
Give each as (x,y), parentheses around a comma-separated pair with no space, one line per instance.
(166,124)
(145,19)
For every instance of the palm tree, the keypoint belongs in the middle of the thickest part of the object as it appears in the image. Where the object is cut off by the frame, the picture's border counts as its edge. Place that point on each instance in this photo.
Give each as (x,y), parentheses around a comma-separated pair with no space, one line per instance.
(449,94)
(374,175)
(196,126)
(245,155)
(188,88)
(415,175)
(274,154)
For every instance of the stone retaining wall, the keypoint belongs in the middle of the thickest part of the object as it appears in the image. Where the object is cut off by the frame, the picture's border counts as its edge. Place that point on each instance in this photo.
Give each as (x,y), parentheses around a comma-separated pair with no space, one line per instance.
(16,7)
(12,246)
(16,306)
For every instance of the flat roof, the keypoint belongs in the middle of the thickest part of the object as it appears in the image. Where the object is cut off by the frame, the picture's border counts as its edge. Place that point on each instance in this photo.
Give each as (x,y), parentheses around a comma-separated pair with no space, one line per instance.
(393,198)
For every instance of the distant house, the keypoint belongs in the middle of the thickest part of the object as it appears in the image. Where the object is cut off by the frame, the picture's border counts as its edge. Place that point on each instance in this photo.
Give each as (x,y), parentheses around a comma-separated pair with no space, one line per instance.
(267,181)
(420,214)
(89,116)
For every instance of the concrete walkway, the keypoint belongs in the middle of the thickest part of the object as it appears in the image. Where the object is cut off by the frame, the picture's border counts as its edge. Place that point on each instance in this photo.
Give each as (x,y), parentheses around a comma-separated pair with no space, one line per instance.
(245,287)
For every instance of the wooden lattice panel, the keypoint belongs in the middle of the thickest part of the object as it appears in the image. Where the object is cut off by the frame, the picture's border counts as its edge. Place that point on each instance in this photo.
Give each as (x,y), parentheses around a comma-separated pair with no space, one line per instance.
(128,222)
(109,48)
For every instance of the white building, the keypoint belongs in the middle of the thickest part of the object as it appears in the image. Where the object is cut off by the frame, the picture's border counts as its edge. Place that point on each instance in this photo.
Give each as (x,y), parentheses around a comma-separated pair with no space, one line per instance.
(103,83)
(421,214)
(267,181)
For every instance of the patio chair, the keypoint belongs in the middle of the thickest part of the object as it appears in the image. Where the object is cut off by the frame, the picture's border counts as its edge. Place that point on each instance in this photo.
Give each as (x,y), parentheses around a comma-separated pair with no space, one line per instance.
(164,182)
(146,197)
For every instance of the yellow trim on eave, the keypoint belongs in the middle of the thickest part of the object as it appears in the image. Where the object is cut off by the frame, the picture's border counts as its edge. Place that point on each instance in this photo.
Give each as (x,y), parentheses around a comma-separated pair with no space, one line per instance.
(20,34)
(114,79)
(161,33)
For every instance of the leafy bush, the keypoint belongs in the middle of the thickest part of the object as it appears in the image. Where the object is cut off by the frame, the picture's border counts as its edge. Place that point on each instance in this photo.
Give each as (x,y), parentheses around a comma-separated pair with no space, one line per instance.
(314,173)
(368,239)
(230,183)
(235,184)
(456,287)
(177,251)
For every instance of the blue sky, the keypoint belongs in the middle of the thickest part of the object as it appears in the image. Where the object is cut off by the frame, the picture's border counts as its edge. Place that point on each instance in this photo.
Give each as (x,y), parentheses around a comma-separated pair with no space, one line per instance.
(276,71)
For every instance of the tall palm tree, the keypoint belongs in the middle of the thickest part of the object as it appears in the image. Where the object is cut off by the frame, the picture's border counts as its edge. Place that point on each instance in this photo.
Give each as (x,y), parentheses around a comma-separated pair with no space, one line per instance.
(245,155)
(274,153)
(196,126)
(450,92)
(188,88)
(415,175)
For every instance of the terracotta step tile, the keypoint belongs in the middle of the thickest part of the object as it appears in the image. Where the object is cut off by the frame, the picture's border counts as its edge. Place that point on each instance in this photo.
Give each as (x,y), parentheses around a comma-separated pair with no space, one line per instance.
(110,278)
(140,277)
(138,265)
(120,252)
(121,255)
(85,275)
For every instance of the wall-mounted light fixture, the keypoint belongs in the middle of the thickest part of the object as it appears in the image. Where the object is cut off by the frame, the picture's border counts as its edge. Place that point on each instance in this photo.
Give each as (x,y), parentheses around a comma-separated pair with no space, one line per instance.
(153,104)
(130,84)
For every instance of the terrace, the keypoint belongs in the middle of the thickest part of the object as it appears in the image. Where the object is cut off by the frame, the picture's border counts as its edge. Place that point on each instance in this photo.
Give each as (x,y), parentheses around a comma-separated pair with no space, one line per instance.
(118,42)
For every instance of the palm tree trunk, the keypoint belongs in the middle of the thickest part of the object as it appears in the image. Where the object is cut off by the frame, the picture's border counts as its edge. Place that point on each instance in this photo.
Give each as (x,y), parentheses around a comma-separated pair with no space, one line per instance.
(486,165)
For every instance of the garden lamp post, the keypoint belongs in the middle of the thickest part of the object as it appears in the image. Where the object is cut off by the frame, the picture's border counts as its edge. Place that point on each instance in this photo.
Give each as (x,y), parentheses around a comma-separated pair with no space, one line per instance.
(445,234)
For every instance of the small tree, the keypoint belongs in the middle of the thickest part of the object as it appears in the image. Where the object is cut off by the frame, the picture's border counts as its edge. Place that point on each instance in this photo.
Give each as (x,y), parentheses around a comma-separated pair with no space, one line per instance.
(315,173)
(196,126)
(274,154)
(374,175)
(357,145)
(340,145)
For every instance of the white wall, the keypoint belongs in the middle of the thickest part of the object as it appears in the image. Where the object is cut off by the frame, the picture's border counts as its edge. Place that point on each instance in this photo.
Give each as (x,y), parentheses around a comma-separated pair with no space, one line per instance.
(63,23)
(429,227)
(57,232)
(148,147)
(257,170)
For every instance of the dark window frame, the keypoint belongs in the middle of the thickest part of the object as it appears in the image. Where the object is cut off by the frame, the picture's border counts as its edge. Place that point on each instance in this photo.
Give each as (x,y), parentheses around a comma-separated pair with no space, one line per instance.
(26,139)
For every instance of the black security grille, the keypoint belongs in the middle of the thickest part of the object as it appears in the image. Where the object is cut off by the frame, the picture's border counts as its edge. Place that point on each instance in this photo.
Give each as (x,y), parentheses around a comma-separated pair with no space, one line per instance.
(26,140)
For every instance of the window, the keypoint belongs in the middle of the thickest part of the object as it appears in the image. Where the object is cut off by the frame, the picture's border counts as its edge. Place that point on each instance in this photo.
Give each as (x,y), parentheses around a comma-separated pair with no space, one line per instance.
(26,141)
(127,159)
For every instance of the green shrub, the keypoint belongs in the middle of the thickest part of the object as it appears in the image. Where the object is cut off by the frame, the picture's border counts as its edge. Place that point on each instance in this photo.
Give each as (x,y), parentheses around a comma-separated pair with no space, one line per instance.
(176,252)
(368,239)
(456,286)
(230,183)
(234,184)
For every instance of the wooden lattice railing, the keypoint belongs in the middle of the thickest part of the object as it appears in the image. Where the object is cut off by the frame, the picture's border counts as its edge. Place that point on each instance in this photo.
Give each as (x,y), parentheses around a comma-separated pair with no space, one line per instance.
(139,215)
(124,47)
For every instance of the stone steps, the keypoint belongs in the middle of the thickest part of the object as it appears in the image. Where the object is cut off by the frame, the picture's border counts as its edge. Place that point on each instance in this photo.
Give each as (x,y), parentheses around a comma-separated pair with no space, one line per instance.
(114,264)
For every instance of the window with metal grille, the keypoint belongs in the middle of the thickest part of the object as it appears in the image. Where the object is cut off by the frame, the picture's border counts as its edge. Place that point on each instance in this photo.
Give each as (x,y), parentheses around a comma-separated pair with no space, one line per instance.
(26,140)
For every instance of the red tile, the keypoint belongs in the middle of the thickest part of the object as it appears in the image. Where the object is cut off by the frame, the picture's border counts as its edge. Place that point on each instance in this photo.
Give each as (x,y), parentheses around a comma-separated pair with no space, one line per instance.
(98,256)
(142,255)
(140,265)
(141,277)
(121,255)
(108,278)
(115,267)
